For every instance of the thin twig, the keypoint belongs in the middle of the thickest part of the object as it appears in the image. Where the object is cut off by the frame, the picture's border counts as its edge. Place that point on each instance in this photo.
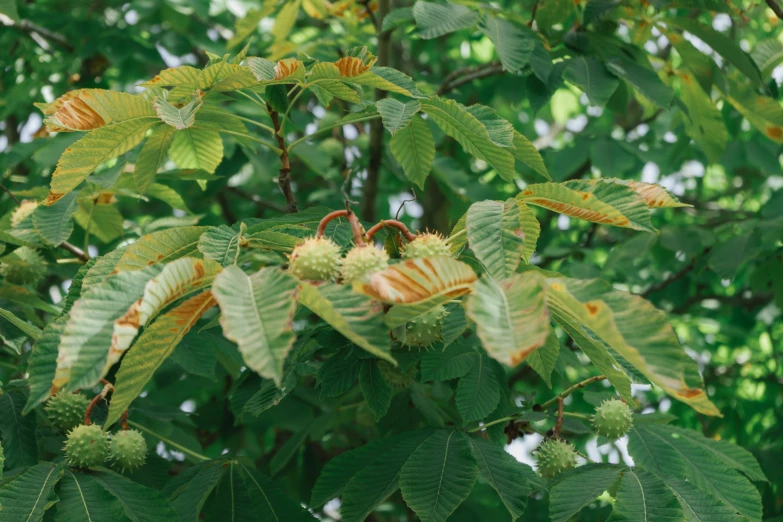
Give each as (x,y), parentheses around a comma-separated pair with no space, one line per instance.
(10,194)
(346,188)
(463,76)
(28,27)
(559,423)
(402,205)
(284,180)
(677,276)
(254,198)
(533,14)
(571,390)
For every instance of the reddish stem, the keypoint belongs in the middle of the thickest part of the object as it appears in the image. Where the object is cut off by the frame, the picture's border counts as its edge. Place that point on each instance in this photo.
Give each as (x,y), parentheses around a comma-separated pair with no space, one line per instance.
(393,223)
(358,231)
(559,423)
(90,406)
(124,421)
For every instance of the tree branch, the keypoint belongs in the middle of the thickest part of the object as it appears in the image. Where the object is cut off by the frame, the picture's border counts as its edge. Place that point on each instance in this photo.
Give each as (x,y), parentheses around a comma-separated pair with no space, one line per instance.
(284,180)
(28,27)
(571,390)
(254,198)
(462,76)
(677,276)
(376,127)
(773,4)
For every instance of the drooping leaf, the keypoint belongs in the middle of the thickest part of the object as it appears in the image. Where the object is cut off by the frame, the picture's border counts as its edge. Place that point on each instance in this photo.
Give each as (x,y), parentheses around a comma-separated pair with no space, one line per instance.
(443,365)
(544,359)
(82,498)
(43,363)
(511,317)
(704,123)
(153,347)
(438,476)
(355,316)
(188,495)
(414,149)
(160,247)
(512,44)
(495,236)
(139,503)
(457,122)
(526,152)
(578,488)
(257,313)
(31,331)
(395,114)
(644,80)
(763,112)
(698,505)
(606,203)
(152,155)
(416,280)
(387,79)
(590,75)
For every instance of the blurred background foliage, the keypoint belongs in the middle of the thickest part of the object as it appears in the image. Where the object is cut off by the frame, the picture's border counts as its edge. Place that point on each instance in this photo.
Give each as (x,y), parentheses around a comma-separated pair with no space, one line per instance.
(716,268)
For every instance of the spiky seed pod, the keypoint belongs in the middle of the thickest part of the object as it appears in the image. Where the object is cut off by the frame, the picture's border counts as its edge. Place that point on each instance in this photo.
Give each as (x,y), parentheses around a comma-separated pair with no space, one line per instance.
(317,259)
(66,410)
(128,449)
(612,419)
(396,377)
(86,446)
(425,330)
(554,457)
(23,266)
(426,245)
(362,262)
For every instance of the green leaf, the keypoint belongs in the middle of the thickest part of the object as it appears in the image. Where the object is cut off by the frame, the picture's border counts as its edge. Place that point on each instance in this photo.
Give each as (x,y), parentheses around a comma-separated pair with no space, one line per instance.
(507,476)
(355,316)
(634,329)
(434,20)
(197,148)
(188,499)
(642,496)
(43,363)
(88,109)
(339,471)
(478,392)
(338,373)
(387,79)
(139,503)
(500,131)
(721,44)
(661,450)
(102,267)
(527,153)
(444,365)
(152,155)
(511,317)
(643,79)
(83,157)
(704,123)
(578,488)
(699,506)
(438,476)
(544,359)
(154,345)
(28,495)
(457,122)
(373,484)
(54,222)
(178,117)
(395,114)
(495,236)
(590,75)
(82,498)
(84,345)
(604,203)
(29,330)
(397,17)
(512,44)
(377,392)
(160,247)
(414,149)
(104,222)
(18,431)
(8,8)
(767,54)
(285,20)
(220,243)
(257,313)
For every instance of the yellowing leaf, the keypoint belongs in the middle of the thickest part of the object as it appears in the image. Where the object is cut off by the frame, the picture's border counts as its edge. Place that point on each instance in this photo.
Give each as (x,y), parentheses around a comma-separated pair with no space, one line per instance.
(80,159)
(511,316)
(415,280)
(177,280)
(287,68)
(655,196)
(634,329)
(350,66)
(605,203)
(88,109)
(160,247)
(153,347)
